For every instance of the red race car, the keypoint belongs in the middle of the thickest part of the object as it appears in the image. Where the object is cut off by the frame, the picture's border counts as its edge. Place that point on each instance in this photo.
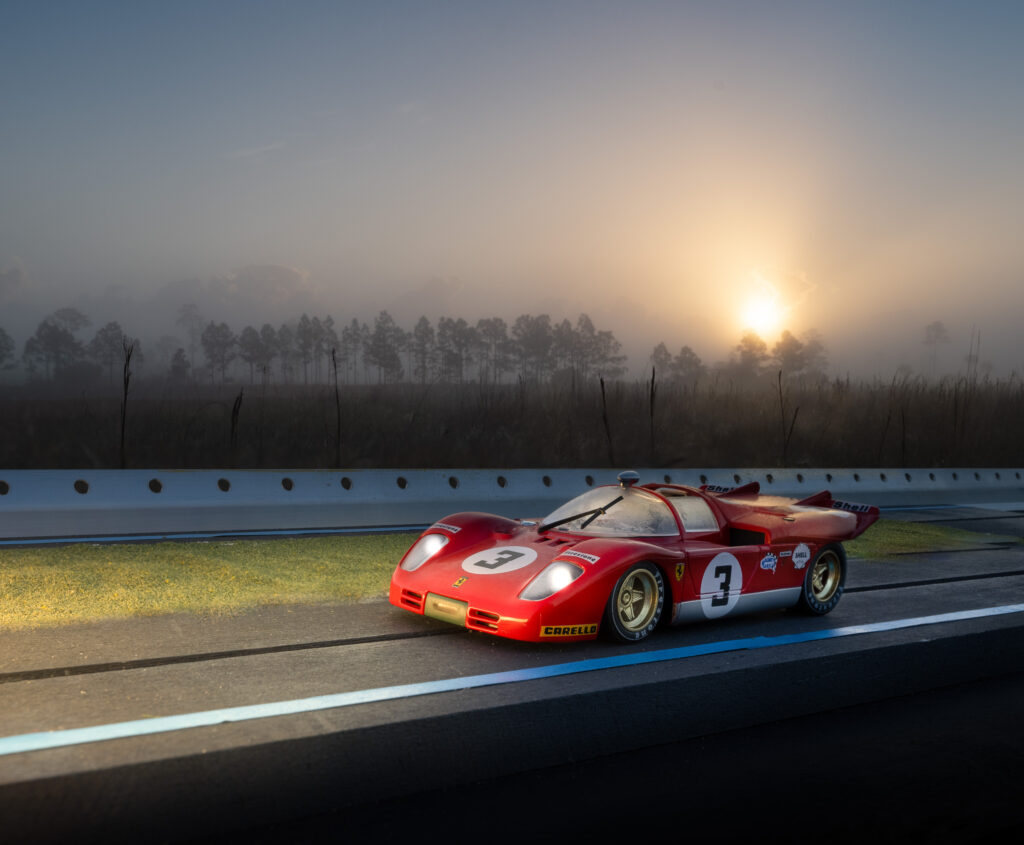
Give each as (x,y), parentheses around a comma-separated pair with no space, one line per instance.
(620,559)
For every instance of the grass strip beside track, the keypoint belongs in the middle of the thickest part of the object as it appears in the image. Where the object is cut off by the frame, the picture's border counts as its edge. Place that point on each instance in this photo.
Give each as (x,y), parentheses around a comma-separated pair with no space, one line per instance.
(57,585)
(890,537)
(47,586)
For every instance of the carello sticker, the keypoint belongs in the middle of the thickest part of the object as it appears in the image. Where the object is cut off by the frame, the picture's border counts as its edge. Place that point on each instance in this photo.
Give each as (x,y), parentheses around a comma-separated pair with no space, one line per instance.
(454,529)
(769,561)
(801,556)
(568,630)
(581,555)
(787,553)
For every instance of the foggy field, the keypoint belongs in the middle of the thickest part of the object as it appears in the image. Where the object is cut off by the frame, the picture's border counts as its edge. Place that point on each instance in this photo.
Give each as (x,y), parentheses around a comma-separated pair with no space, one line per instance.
(820,423)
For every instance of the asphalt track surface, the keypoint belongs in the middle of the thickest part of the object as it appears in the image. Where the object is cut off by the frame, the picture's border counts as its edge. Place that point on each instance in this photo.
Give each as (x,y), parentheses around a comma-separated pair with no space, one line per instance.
(910,734)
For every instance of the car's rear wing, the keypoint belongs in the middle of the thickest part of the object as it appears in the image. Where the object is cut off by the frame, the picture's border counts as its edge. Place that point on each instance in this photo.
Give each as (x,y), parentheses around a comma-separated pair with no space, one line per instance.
(815,525)
(866,515)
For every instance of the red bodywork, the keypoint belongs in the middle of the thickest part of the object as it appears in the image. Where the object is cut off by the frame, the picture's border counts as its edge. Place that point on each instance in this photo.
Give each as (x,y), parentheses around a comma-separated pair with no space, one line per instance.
(750,554)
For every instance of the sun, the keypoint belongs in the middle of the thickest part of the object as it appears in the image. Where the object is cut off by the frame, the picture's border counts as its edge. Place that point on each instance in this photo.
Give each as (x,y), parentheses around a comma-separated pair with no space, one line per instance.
(762,310)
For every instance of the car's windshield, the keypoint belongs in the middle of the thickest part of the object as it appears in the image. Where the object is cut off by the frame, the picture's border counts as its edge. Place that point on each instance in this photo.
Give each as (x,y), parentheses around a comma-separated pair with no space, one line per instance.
(638,514)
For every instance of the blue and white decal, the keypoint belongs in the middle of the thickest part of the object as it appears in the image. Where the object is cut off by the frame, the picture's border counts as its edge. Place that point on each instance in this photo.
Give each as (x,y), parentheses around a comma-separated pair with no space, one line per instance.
(769,562)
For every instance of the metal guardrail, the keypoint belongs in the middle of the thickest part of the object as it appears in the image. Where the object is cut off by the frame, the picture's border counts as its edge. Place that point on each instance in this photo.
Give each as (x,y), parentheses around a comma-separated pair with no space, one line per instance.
(100,503)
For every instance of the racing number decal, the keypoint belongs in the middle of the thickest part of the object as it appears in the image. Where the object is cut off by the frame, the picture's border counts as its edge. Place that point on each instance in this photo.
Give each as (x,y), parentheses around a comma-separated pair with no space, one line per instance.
(721,585)
(499,560)
(724,576)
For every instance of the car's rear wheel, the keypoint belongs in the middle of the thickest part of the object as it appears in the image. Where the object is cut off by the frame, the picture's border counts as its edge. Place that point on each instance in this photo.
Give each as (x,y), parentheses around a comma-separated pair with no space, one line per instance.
(823,584)
(635,605)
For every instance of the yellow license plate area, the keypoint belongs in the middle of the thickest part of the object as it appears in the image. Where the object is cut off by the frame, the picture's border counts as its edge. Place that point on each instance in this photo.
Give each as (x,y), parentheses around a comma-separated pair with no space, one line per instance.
(445,609)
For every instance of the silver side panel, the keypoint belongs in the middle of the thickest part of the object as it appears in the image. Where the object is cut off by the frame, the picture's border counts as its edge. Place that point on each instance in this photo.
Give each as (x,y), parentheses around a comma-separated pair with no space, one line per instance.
(693,611)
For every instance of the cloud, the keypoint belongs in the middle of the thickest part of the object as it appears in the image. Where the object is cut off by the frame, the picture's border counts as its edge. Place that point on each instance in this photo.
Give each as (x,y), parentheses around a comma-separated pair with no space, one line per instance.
(254,293)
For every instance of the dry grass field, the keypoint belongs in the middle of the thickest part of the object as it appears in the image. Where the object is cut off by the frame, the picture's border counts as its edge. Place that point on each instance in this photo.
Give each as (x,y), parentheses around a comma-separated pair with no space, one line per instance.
(834,423)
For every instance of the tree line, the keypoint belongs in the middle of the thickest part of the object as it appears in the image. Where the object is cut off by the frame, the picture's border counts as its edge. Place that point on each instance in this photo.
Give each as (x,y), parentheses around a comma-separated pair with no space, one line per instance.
(315,350)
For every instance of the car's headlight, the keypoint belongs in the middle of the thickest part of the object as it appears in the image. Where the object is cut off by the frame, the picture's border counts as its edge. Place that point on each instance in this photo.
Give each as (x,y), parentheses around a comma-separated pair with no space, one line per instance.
(425,548)
(555,577)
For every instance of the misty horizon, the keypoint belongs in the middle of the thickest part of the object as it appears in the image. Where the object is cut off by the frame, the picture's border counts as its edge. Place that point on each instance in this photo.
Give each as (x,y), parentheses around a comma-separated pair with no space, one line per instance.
(680,172)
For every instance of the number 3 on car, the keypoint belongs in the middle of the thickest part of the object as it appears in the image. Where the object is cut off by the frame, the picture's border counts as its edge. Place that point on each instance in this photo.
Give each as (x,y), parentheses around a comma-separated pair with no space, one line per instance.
(621,560)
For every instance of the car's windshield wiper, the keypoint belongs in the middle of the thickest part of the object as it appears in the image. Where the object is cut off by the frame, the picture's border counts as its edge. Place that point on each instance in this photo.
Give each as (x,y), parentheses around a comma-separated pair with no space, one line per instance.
(592,514)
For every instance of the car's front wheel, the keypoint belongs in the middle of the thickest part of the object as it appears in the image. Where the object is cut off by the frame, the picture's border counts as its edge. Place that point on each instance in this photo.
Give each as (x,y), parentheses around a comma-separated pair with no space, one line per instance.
(635,605)
(823,584)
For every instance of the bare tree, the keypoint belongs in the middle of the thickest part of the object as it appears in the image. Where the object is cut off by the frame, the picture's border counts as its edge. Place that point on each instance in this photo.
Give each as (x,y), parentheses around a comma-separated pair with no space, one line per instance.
(192,321)
(219,347)
(6,350)
(106,347)
(934,334)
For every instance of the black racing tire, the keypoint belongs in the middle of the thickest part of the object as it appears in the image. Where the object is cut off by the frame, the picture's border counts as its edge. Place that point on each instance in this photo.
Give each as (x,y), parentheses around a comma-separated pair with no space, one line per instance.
(635,605)
(824,581)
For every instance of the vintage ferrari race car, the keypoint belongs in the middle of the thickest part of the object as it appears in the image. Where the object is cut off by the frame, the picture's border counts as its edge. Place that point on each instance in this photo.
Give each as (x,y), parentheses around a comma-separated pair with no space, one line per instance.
(618,560)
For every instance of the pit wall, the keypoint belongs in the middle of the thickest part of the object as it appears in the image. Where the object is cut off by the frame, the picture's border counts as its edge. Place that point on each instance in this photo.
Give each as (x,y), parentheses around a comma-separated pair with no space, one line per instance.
(98,503)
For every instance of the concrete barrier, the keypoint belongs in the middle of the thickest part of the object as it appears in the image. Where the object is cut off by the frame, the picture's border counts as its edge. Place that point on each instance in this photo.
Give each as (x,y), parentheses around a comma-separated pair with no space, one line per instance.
(100,503)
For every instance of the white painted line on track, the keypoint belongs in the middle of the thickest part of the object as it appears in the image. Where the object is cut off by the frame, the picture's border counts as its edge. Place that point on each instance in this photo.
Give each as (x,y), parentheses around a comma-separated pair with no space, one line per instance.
(162,724)
(211,535)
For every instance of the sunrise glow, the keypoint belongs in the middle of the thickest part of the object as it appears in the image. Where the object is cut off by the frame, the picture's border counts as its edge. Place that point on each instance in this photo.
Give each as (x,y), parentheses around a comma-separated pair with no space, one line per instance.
(763,311)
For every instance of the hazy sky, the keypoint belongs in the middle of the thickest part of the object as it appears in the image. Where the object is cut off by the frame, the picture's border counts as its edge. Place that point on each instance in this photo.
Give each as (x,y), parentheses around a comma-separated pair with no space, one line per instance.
(656,165)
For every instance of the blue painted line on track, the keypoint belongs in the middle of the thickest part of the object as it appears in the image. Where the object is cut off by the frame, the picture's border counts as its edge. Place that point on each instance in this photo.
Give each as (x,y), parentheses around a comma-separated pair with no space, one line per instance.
(162,724)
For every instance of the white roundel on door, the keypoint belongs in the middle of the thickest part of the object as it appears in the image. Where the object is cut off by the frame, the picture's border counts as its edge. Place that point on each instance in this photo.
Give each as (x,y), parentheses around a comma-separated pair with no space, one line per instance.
(499,560)
(720,587)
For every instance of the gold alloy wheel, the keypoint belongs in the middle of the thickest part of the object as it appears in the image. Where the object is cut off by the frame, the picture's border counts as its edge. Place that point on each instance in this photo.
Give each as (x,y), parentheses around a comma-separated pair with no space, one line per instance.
(826,576)
(637,600)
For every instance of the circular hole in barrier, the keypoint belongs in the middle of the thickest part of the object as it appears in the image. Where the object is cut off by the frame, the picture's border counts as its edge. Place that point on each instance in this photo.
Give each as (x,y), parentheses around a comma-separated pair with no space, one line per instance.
(998,476)
(856,477)
(224,484)
(547,480)
(977,477)
(453,482)
(668,478)
(931,476)
(736,479)
(590,480)
(287,483)
(828,477)
(1018,475)
(703,479)
(954,477)
(881,476)
(770,479)
(800,478)
(81,486)
(346,482)
(5,488)
(502,481)
(906,475)
(155,485)
(401,482)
